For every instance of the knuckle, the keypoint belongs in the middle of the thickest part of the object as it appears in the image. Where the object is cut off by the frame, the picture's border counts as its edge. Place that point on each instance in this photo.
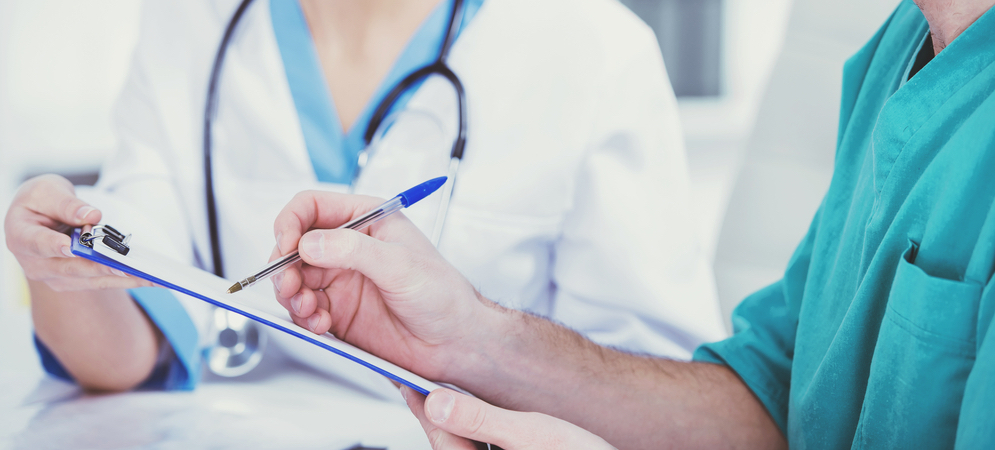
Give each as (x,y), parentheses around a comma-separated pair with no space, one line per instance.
(78,268)
(476,420)
(59,285)
(301,199)
(343,245)
(101,283)
(43,186)
(35,247)
(70,270)
(68,204)
(437,438)
(38,247)
(27,189)
(49,178)
(302,195)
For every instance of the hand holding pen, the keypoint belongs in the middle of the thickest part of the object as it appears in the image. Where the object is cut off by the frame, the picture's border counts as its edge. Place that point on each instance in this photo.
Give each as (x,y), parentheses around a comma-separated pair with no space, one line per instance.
(402,200)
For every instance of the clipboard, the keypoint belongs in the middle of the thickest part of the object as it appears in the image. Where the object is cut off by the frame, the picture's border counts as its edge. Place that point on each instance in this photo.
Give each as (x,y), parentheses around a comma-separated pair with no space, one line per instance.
(107,246)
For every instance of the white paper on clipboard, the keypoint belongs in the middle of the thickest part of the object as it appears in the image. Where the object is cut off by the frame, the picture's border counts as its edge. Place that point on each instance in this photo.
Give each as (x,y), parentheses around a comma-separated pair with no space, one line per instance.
(212,289)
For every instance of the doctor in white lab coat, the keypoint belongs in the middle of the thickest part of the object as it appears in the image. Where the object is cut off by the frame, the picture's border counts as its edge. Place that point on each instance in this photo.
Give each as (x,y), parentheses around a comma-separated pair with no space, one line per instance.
(572,200)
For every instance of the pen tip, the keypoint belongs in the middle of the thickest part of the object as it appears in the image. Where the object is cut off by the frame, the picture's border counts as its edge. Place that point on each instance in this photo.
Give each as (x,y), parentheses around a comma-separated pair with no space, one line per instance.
(235,288)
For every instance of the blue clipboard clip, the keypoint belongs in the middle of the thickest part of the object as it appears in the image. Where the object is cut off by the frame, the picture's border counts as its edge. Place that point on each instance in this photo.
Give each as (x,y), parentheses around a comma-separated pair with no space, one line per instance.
(110,236)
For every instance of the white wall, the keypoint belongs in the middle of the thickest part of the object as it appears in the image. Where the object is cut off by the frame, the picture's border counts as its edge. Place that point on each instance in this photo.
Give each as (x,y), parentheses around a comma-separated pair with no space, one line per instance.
(789,156)
(61,65)
(752,39)
(716,129)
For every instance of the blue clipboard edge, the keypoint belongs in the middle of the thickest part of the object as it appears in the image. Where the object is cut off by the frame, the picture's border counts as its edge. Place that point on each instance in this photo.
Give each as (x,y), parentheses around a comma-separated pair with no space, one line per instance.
(83,251)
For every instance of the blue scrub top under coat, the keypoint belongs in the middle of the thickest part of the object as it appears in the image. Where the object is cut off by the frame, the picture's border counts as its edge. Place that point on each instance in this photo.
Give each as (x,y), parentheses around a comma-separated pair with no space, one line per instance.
(334,152)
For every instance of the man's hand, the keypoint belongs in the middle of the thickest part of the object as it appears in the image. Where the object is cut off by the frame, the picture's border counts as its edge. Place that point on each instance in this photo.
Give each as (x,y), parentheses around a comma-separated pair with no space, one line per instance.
(451,420)
(43,208)
(392,295)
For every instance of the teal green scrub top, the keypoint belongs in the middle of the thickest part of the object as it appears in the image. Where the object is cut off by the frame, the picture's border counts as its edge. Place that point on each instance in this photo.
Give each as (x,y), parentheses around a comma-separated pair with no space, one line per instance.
(878,334)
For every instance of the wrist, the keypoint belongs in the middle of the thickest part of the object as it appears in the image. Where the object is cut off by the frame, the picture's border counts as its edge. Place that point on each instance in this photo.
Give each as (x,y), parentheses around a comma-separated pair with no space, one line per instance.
(476,356)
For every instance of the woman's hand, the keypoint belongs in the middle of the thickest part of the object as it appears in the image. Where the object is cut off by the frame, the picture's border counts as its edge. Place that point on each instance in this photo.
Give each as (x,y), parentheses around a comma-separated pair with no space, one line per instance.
(42,209)
(451,420)
(73,297)
(388,292)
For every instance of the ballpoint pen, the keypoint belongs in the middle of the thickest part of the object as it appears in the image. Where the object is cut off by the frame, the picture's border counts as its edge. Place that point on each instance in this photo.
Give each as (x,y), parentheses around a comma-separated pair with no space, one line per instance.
(402,200)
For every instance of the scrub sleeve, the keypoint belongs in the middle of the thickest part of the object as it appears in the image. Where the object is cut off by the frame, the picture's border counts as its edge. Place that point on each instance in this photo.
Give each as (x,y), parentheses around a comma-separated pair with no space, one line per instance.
(761,348)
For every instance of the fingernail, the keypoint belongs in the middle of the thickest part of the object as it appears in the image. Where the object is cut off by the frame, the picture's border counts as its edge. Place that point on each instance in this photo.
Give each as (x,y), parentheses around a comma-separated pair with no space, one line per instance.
(313,244)
(279,239)
(296,304)
(119,273)
(276,281)
(84,211)
(312,323)
(66,251)
(439,406)
(404,393)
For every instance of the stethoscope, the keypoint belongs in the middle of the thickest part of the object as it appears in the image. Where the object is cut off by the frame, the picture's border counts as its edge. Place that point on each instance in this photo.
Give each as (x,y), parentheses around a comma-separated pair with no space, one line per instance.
(239,344)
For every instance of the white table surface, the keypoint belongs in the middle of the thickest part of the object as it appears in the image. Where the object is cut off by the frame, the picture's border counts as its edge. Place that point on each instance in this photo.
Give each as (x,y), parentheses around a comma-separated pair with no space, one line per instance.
(280,405)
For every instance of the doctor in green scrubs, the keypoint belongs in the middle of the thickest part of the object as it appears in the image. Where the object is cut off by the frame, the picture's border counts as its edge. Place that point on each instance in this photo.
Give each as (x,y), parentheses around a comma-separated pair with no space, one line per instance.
(878,336)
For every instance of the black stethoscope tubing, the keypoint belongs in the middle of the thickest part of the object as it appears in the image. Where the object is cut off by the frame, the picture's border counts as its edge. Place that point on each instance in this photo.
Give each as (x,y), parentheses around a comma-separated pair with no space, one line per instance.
(438,67)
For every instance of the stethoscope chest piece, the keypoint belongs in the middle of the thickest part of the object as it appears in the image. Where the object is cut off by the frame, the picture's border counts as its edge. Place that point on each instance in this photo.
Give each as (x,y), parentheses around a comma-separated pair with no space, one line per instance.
(238,347)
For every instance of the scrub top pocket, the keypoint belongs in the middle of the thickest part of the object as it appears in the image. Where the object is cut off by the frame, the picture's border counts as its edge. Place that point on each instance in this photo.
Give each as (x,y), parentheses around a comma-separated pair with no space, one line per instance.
(923,355)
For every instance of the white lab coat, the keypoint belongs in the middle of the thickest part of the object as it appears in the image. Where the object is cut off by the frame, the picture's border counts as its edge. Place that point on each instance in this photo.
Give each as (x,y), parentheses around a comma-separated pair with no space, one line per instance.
(572,199)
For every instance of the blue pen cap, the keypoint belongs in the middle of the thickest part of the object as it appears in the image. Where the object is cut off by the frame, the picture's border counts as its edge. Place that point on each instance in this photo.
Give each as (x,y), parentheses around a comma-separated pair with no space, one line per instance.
(415,194)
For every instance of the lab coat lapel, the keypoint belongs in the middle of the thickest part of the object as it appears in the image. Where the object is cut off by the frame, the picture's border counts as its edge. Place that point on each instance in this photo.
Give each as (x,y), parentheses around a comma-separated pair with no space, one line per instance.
(262,128)
(260,159)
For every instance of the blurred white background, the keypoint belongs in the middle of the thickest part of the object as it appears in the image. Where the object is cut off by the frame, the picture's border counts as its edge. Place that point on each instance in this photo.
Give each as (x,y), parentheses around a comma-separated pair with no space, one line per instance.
(62,63)
(766,139)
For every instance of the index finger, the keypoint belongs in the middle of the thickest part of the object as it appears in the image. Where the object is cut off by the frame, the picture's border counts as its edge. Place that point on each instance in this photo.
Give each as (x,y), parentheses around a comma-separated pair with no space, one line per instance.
(55,197)
(317,209)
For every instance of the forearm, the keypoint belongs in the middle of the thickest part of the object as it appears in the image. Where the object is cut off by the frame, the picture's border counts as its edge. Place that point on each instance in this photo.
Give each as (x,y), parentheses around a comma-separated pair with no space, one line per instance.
(631,401)
(101,337)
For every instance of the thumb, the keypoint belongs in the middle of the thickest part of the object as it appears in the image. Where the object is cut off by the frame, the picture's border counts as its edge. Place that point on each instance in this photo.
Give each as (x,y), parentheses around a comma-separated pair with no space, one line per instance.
(388,265)
(54,197)
(472,418)
(475,419)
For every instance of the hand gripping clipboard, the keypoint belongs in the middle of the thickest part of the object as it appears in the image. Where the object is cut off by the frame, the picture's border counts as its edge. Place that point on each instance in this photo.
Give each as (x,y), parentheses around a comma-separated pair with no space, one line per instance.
(107,246)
